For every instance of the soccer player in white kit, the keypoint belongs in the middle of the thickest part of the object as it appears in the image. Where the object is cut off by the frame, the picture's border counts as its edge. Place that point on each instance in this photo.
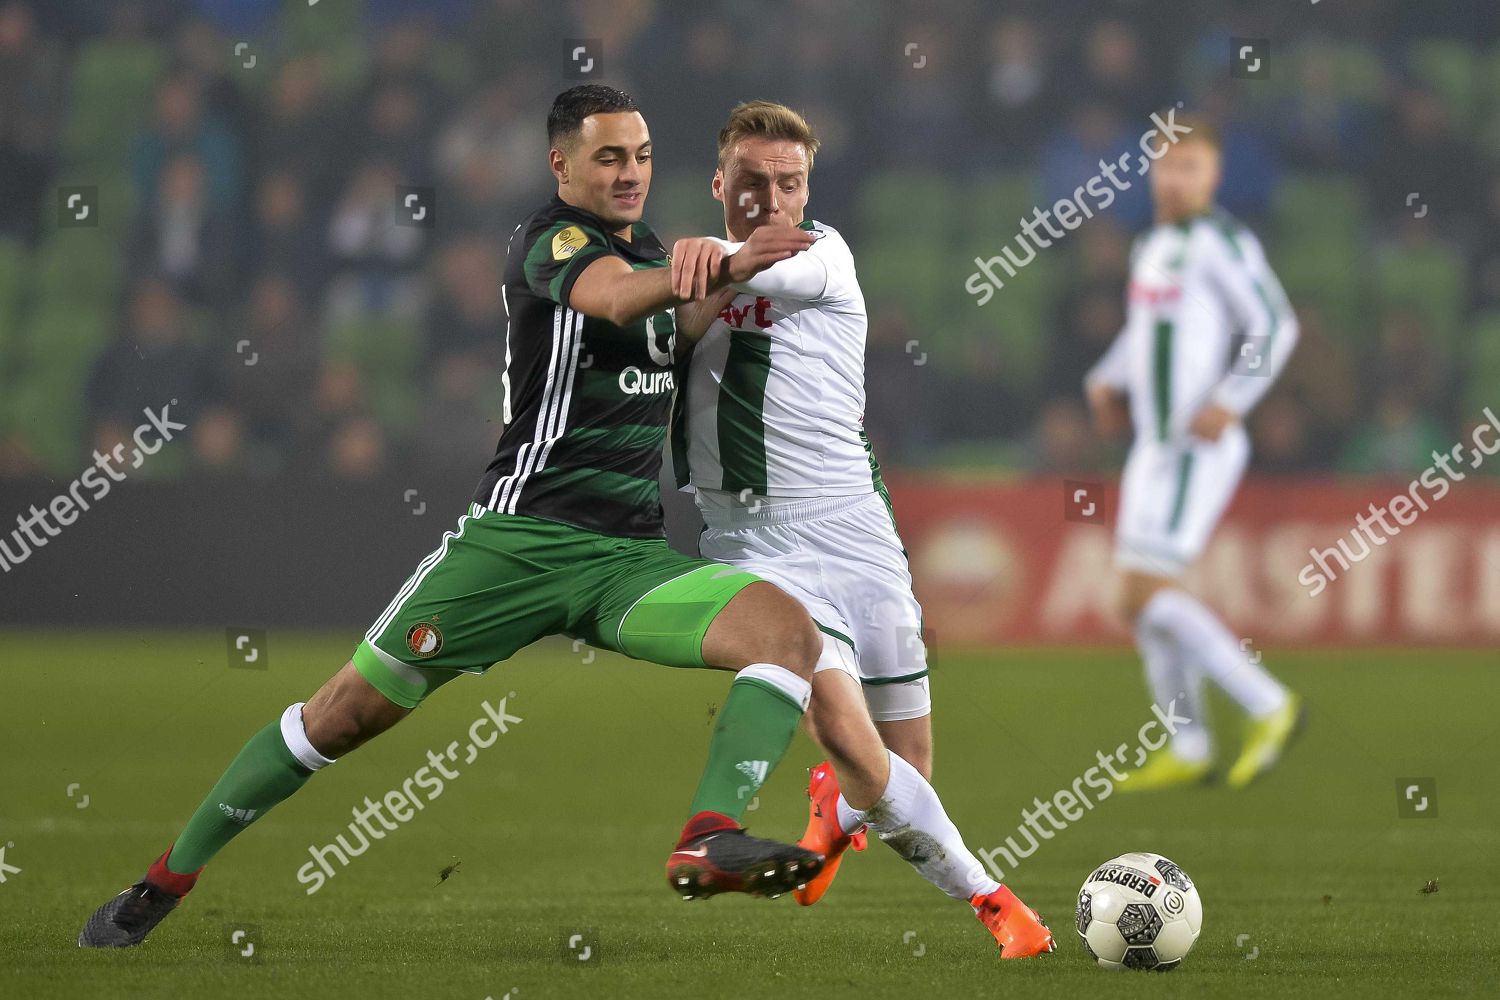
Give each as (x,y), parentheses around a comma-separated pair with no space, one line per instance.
(770,425)
(1207,331)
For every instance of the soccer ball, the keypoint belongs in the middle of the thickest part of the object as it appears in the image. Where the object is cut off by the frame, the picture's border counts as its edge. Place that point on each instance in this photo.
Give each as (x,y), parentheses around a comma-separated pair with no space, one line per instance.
(1139,911)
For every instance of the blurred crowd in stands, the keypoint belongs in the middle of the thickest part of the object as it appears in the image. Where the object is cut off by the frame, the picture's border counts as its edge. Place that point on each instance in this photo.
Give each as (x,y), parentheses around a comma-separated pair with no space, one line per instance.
(248,258)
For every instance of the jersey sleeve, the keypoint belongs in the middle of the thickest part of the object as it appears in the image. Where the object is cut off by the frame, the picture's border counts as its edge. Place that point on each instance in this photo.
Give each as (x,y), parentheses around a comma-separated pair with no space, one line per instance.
(823,274)
(1239,271)
(558,252)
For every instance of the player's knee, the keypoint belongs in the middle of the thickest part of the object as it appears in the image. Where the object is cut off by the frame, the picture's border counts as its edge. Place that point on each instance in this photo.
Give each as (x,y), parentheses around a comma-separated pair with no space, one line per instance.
(807,650)
(796,644)
(346,712)
(765,625)
(333,730)
(1135,593)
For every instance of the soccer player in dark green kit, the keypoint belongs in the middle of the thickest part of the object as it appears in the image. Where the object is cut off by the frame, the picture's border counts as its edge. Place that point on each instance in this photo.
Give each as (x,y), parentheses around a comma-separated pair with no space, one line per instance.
(564,535)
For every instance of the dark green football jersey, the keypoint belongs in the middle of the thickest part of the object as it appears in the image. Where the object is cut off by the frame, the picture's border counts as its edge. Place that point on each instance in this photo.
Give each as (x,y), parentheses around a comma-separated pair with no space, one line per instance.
(586,402)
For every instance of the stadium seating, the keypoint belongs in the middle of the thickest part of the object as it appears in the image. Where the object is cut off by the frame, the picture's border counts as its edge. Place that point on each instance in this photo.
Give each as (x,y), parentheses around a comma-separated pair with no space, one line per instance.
(681,206)
(1315,243)
(77,267)
(385,351)
(112,98)
(63,336)
(906,202)
(1329,210)
(918,262)
(1484,365)
(1451,70)
(56,434)
(1429,280)
(15,273)
(996,204)
(1333,282)
(916,232)
(1359,73)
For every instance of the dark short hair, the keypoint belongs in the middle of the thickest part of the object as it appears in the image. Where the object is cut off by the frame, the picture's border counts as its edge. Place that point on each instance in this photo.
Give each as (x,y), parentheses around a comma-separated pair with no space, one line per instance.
(575,104)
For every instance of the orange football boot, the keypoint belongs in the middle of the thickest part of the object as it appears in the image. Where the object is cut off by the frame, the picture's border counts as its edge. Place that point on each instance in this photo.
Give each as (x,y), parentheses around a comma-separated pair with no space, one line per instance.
(1017,927)
(824,835)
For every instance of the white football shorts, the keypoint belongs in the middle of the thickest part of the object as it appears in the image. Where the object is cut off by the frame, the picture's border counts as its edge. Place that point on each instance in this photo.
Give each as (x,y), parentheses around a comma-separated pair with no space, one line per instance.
(1171,498)
(841,557)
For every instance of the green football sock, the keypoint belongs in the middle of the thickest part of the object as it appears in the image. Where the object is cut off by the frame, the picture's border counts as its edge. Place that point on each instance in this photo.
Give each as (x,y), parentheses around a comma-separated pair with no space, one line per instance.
(754,729)
(264,773)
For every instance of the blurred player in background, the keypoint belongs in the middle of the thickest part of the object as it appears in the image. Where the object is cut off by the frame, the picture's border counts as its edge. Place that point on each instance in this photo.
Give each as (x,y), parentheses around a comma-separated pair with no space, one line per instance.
(1208,329)
(769,435)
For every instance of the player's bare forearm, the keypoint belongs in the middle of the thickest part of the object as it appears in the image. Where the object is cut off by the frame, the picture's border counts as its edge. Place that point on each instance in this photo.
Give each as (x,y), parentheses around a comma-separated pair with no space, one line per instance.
(610,290)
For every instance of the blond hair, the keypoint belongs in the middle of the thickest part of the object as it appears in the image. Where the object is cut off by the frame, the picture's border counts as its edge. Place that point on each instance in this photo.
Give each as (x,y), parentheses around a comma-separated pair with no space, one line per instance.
(1203,130)
(765,120)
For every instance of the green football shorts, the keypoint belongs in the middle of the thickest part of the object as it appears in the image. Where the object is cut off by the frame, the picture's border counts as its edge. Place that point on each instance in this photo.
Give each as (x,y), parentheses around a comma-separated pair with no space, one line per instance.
(501,581)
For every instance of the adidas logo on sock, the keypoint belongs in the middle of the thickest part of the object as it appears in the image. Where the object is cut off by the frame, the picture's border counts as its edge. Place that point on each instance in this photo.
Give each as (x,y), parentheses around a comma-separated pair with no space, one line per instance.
(755,770)
(240,816)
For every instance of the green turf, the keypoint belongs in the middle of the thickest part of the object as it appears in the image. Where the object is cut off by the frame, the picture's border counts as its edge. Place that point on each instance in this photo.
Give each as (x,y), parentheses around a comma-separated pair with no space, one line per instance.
(563,825)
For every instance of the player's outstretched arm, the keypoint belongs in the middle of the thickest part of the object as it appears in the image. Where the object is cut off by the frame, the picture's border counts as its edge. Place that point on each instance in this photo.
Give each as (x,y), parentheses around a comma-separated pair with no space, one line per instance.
(752,262)
(802,276)
(610,290)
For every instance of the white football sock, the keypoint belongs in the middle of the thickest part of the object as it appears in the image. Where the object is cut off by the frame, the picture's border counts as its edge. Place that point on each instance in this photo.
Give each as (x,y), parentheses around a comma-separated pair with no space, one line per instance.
(1171,679)
(910,817)
(850,818)
(1203,640)
(295,737)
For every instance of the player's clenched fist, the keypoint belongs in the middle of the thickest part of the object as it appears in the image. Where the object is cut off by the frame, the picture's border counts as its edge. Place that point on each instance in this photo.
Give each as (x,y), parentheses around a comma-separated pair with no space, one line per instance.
(695,267)
(1211,422)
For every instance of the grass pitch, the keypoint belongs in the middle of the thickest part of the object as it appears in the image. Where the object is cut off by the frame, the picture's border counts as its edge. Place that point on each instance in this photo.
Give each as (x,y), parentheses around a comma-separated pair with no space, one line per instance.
(1310,879)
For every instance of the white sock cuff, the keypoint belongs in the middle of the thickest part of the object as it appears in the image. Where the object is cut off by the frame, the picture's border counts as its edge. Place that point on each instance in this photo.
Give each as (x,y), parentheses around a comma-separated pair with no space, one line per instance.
(296,739)
(902,791)
(850,818)
(780,678)
(905,781)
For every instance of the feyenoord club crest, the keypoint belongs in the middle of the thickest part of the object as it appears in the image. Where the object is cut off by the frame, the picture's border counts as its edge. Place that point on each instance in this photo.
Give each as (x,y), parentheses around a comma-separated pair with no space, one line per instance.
(424,639)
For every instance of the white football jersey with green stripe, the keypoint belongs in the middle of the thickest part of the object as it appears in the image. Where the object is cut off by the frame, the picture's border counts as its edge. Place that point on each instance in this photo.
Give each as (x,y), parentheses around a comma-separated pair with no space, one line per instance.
(1206,321)
(770,419)
(774,401)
